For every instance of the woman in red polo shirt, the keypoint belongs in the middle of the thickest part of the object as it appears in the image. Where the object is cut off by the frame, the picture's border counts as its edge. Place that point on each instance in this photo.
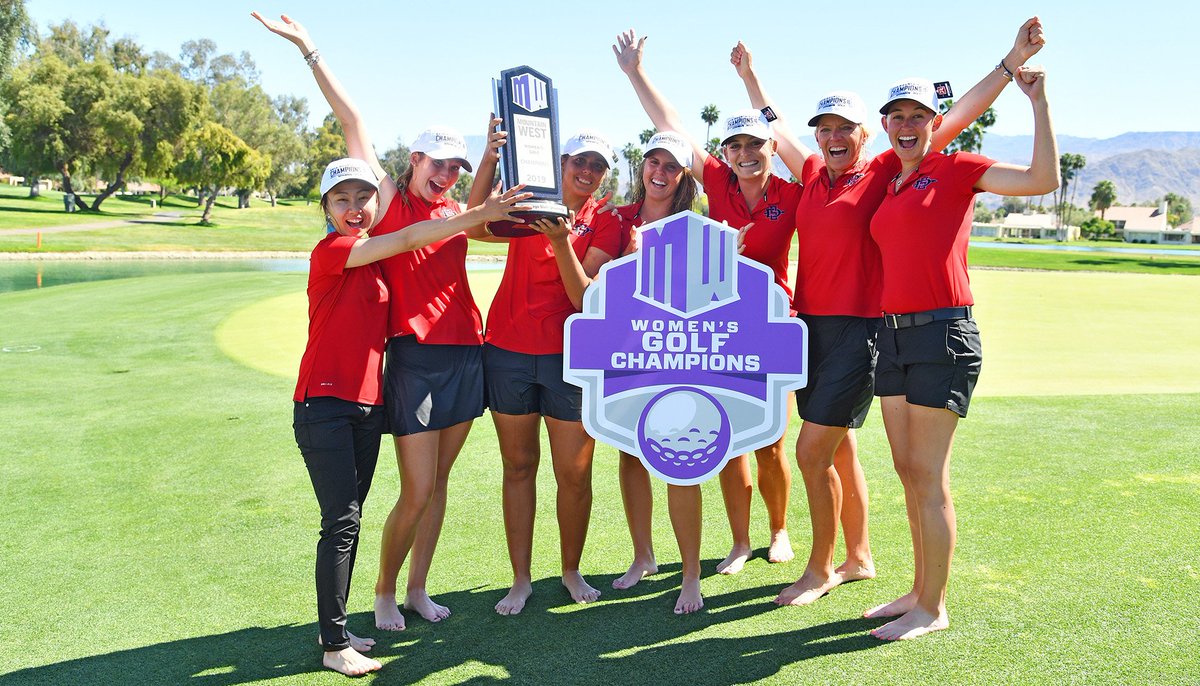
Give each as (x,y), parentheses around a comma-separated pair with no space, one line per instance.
(741,190)
(663,185)
(523,358)
(929,349)
(837,295)
(434,372)
(338,414)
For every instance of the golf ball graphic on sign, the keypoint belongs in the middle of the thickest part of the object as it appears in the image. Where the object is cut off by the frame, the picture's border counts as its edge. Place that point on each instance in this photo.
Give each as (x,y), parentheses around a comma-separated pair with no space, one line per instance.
(684,432)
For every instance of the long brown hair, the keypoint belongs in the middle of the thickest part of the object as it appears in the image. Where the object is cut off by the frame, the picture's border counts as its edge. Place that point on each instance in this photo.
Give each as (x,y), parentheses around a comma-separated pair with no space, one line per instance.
(406,178)
(685,193)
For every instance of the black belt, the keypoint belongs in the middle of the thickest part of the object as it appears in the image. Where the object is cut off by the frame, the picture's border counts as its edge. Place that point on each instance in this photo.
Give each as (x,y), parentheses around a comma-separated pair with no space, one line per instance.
(904,321)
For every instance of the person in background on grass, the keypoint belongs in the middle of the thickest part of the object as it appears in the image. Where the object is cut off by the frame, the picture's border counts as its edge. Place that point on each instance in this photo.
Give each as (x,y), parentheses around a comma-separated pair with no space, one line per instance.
(838,286)
(929,348)
(434,372)
(543,282)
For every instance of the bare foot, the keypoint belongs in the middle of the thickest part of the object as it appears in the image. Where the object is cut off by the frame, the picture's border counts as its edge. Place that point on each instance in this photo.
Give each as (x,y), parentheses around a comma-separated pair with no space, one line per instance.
(895,608)
(350,662)
(637,570)
(781,547)
(690,599)
(387,614)
(854,570)
(579,589)
(735,561)
(808,588)
(916,622)
(514,602)
(419,601)
(362,645)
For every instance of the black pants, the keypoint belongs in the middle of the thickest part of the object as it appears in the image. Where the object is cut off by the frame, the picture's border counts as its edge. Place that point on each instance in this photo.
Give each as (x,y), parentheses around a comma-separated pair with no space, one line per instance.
(340,443)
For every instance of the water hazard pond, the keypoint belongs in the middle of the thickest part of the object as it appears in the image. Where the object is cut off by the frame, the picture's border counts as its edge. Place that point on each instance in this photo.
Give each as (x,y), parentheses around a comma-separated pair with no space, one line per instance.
(22,275)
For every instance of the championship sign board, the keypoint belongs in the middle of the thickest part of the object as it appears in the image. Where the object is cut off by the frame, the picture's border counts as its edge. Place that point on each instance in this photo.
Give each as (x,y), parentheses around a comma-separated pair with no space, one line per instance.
(685,351)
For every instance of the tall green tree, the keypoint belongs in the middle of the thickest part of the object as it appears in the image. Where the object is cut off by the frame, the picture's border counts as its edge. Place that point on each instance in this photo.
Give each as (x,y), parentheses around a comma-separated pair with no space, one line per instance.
(462,187)
(216,158)
(710,114)
(1179,209)
(34,93)
(327,144)
(646,135)
(1069,164)
(15,35)
(1104,194)
(971,138)
(633,157)
(396,159)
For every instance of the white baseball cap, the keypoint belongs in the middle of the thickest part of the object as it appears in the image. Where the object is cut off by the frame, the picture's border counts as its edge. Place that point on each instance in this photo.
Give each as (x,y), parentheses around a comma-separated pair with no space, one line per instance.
(589,141)
(845,104)
(346,169)
(750,122)
(919,90)
(673,144)
(442,143)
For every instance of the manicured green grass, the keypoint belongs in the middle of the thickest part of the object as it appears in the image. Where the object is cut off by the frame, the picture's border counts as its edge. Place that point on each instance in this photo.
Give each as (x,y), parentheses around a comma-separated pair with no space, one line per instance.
(1184,262)
(163,529)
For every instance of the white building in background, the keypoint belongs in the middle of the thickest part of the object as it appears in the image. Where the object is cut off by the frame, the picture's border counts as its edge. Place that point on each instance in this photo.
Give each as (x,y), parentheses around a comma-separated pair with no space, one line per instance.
(1149,225)
(1019,225)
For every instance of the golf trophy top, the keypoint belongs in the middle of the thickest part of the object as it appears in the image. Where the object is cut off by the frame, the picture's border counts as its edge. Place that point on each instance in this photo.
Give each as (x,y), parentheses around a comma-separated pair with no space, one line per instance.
(527,104)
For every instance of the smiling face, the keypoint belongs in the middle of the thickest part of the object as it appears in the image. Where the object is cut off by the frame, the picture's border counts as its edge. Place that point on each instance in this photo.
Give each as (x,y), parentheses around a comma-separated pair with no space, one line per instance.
(910,128)
(351,207)
(432,178)
(841,142)
(749,157)
(661,176)
(582,175)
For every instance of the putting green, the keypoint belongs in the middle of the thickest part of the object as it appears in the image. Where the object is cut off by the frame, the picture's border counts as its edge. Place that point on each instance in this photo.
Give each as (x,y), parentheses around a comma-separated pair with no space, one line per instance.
(1044,333)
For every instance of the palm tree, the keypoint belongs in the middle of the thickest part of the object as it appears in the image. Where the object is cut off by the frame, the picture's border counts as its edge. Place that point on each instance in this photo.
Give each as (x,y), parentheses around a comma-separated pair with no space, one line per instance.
(1069,165)
(646,135)
(709,114)
(1103,196)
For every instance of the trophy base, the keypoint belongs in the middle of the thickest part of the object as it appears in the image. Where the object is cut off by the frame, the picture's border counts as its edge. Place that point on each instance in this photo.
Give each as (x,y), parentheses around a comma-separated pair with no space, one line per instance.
(531,211)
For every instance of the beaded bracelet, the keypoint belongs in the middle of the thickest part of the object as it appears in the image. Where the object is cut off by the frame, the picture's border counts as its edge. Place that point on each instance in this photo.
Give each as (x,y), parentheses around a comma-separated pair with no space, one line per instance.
(315,56)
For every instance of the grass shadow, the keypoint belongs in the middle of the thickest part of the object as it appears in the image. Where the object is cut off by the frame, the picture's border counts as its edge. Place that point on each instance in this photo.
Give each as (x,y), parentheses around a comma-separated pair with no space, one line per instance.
(627,637)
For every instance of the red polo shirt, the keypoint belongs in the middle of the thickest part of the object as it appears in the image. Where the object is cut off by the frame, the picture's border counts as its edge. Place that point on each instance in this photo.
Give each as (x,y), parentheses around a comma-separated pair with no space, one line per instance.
(347,314)
(839,271)
(531,305)
(774,217)
(631,216)
(431,296)
(922,232)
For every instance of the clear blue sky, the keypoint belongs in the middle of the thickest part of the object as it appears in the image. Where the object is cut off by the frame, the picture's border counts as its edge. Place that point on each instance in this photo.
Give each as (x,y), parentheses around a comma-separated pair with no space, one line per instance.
(1113,66)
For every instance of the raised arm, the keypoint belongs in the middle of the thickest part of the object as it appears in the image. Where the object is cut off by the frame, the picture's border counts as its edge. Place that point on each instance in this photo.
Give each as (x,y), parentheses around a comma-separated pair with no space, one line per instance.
(628,50)
(975,102)
(497,207)
(1042,174)
(358,143)
(485,178)
(790,150)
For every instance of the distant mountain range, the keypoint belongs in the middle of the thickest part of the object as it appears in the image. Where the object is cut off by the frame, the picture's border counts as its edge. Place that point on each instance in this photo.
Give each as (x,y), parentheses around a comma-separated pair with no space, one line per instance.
(1143,165)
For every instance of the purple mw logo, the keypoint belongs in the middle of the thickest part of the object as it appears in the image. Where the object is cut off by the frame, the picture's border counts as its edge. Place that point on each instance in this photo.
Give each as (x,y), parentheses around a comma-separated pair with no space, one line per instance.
(685,351)
(529,91)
